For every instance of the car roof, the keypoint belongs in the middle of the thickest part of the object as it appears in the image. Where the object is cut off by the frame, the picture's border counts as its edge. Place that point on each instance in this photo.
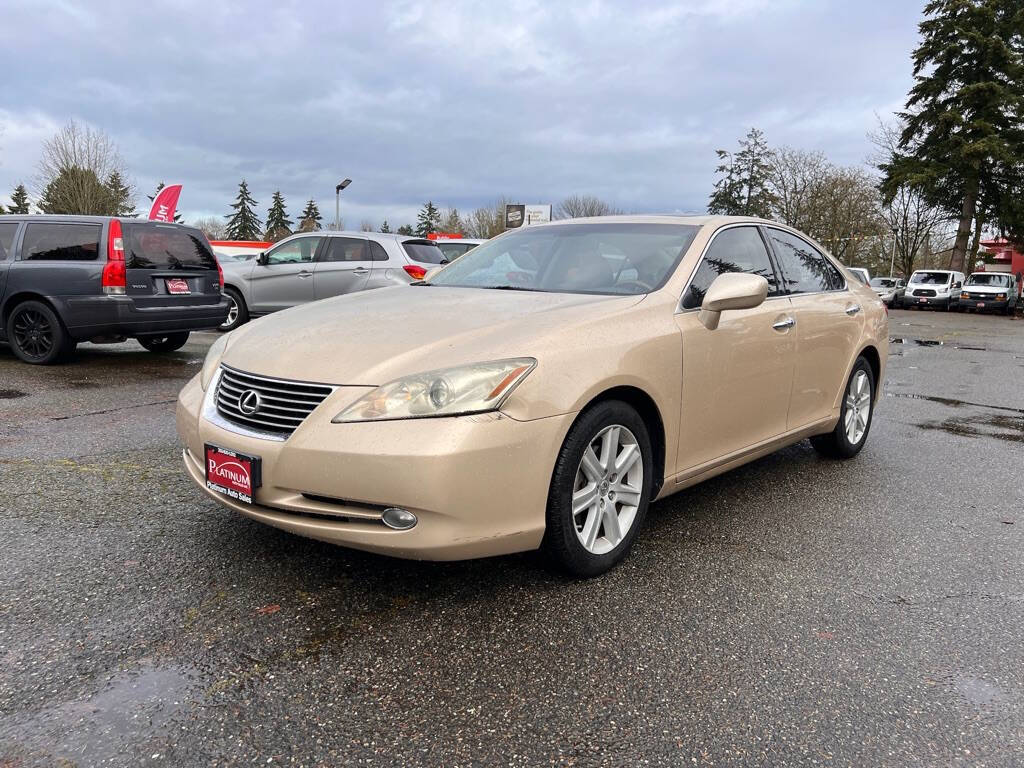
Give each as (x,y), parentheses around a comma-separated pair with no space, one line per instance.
(74,218)
(355,233)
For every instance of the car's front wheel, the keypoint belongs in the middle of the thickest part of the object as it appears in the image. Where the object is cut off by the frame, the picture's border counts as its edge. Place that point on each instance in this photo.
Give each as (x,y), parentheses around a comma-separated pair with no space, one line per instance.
(169,342)
(851,432)
(599,490)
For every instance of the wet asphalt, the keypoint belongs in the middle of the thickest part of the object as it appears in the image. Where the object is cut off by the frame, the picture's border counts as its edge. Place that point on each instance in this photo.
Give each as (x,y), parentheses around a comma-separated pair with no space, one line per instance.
(796,611)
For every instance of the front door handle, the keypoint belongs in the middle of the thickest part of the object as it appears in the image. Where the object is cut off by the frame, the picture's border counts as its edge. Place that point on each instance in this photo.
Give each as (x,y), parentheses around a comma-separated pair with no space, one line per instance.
(853,309)
(304,274)
(360,271)
(784,324)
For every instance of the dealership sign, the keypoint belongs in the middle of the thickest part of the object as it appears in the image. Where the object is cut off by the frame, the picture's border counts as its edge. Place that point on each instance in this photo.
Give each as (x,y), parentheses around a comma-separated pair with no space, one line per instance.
(519,215)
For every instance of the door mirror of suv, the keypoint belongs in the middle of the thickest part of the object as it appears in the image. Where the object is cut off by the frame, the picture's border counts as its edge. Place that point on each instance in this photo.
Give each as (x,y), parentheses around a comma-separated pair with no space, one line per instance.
(733,290)
(261,258)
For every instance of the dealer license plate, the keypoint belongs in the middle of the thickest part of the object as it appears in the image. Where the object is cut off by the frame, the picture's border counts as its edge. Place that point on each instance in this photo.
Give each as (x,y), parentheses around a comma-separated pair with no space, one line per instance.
(178,285)
(981,303)
(231,473)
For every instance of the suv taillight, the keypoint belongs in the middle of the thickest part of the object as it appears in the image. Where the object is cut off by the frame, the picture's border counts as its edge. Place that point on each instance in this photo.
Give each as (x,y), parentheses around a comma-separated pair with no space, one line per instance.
(415,272)
(115,278)
(220,274)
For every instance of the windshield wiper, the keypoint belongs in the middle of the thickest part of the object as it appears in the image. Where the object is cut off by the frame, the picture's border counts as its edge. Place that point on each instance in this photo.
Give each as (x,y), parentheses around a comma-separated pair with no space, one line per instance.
(511,288)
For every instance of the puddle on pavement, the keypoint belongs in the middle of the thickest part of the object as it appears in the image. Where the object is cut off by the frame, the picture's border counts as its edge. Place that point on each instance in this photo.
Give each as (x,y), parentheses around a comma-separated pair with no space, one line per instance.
(111,724)
(918,342)
(10,394)
(1007,428)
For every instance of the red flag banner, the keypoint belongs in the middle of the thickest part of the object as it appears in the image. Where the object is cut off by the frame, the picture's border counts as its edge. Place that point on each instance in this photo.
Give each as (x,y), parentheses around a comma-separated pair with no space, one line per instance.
(165,203)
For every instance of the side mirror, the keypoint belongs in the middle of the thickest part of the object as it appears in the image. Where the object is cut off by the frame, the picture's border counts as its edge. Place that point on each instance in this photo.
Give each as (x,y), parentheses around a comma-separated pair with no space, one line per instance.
(261,258)
(733,290)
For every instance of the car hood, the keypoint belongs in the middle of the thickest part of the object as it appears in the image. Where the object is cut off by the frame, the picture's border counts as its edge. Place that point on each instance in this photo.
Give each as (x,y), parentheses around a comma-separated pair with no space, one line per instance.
(372,337)
(993,289)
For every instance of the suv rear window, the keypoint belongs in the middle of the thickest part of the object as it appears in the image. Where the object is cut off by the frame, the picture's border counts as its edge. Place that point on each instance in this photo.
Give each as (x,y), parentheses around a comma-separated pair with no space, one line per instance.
(61,242)
(423,251)
(165,246)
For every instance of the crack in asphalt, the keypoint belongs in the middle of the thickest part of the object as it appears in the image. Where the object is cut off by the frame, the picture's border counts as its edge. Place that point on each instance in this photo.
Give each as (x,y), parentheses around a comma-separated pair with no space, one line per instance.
(112,410)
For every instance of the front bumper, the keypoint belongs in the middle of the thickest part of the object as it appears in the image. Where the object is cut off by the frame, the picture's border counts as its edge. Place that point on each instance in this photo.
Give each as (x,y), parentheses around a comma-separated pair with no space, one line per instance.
(1000,304)
(90,316)
(478,484)
(928,301)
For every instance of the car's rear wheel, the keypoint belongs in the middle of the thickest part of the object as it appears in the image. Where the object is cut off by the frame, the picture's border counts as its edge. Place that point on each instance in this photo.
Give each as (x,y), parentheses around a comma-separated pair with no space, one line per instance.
(851,432)
(599,490)
(37,335)
(238,313)
(168,342)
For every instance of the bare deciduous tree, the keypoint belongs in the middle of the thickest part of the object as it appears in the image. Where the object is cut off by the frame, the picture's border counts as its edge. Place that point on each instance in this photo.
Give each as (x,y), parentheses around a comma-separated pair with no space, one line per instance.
(366,226)
(487,221)
(74,167)
(211,226)
(580,206)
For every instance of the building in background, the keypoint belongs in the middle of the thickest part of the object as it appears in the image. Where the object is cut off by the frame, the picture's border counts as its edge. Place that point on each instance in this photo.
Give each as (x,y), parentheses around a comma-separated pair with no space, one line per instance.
(1003,256)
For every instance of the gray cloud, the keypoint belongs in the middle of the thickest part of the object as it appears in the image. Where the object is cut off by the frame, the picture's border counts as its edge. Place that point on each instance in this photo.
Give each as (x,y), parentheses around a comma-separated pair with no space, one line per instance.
(456,102)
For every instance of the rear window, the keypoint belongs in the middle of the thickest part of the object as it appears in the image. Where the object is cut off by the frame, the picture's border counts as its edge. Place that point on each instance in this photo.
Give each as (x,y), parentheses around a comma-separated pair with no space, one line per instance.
(156,246)
(8,229)
(423,251)
(61,242)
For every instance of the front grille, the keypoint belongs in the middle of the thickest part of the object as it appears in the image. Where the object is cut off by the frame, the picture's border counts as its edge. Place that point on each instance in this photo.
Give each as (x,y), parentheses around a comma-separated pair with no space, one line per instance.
(924,292)
(282,405)
(982,296)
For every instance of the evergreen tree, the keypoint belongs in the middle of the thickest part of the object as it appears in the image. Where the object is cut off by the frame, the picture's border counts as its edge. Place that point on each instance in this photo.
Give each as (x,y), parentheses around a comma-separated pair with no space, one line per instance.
(428,220)
(243,224)
(19,200)
(406,229)
(177,216)
(452,222)
(310,221)
(962,147)
(76,191)
(384,227)
(2,211)
(121,196)
(743,189)
(279,226)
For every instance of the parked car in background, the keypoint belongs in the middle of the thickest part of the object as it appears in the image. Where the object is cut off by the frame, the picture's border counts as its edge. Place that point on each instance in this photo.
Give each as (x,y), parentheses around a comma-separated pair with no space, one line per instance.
(69,279)
(889,289)
(536,392)
(316,265)
(224,258)
(933,288)
(989,291)
(452,248)
(861,274)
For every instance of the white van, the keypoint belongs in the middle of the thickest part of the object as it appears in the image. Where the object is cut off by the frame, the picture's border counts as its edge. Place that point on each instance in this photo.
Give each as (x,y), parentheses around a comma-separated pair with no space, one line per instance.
(934,288)
(990,290)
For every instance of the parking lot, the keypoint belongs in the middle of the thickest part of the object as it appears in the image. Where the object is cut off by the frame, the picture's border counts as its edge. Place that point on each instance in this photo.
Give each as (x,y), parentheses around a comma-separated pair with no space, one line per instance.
(796,610)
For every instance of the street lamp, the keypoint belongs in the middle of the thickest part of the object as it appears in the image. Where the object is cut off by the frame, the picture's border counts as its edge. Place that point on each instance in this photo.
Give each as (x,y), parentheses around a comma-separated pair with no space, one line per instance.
(337,202)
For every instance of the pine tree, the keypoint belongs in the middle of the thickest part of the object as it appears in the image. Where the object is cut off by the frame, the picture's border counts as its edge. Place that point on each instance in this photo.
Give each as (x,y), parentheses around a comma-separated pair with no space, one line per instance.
(76,191)
(428,220)
(2,211)
(120,195)
(310,221)
(279,226)
(406,229)
(243,224)
(384,227)
(452,223)
(743,187)
(962,146)
(19,200)
(177,216)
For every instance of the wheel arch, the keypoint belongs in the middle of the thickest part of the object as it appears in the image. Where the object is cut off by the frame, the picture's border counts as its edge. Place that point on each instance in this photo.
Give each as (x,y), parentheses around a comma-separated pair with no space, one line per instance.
(22,296)
(870,353)
(648,409)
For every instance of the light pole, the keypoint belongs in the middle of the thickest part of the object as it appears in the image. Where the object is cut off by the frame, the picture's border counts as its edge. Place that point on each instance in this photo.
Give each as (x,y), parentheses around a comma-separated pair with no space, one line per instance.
(892,258)
(337,202)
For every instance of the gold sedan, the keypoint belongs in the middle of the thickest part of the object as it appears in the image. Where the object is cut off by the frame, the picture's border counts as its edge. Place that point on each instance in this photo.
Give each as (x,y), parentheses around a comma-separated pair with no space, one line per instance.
(540,391)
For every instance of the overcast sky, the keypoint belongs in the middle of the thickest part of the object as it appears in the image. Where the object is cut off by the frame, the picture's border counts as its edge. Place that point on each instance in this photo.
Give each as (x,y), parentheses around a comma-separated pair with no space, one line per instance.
(455,102)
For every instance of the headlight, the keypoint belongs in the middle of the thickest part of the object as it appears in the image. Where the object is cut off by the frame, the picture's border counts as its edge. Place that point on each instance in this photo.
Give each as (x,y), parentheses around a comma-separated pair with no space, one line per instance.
(447,392)
(213,357)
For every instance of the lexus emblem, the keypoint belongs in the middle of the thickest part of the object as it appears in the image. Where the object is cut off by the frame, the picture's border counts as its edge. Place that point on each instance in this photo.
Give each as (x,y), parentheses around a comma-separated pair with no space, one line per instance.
(249,402)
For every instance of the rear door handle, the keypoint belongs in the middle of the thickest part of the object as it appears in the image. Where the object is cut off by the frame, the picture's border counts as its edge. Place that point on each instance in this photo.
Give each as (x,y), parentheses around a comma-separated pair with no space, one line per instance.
(853,309)
(360,271)
(785,324)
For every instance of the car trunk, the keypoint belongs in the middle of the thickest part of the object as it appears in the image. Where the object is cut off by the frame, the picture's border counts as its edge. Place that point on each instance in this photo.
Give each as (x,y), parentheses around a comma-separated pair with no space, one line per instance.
(168,265)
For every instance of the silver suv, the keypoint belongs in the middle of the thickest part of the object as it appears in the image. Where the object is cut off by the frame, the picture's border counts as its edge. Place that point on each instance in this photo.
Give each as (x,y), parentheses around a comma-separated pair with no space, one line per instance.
(316,265)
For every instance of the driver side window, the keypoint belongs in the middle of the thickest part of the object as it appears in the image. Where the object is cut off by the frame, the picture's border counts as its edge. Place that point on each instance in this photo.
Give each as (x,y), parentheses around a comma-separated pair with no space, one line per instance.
(739,249)
(294,251)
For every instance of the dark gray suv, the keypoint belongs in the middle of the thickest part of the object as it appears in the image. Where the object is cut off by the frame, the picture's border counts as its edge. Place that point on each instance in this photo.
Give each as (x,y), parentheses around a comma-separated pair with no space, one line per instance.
(66,279)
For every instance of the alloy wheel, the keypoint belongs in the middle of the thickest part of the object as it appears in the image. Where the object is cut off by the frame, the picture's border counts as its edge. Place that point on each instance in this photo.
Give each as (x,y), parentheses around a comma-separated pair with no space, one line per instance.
(858,407)
(33,333)
(607,490)
(232,313)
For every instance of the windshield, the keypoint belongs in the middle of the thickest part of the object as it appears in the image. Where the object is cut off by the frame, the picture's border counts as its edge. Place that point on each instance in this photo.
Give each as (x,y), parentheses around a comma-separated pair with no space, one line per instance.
(608,257)
(989,279)
(883,282)
(930,278)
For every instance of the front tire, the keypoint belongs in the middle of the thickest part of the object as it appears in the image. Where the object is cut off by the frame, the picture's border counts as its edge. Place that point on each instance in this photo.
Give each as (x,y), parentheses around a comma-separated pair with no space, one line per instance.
(37,335)
(600,490)
(851,432)
(238,314)
(169,342)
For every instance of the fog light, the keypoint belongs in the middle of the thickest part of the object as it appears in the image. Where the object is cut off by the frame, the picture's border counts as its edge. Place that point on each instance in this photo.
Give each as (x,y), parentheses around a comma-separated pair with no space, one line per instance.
(399,519)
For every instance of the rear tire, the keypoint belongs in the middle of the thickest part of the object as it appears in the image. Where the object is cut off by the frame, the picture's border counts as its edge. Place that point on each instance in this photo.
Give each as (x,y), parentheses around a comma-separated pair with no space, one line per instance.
(169,342)
(37,335)
(855,415)
(239,312)
(600,490)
